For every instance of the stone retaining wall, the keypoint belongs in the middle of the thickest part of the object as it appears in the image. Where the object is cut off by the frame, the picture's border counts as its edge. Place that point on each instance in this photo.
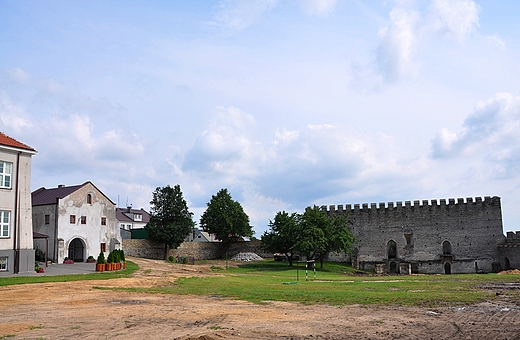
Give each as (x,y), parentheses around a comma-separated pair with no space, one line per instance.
(192,250)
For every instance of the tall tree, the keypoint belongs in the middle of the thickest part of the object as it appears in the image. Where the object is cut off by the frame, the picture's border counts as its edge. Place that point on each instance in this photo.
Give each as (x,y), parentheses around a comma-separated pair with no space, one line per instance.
(322,235)
(170,220)
(283,235)
(225,218)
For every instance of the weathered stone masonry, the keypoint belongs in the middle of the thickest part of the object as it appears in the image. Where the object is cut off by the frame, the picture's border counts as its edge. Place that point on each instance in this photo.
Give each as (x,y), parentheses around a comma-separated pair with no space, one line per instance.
(454,236)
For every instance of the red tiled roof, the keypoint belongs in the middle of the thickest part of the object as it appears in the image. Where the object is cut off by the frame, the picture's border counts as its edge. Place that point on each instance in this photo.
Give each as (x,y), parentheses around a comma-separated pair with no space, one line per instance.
(8,141)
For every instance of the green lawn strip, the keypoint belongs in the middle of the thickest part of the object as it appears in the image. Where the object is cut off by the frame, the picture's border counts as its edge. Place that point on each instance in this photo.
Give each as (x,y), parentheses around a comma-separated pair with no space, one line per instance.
(270,281)
(130,268)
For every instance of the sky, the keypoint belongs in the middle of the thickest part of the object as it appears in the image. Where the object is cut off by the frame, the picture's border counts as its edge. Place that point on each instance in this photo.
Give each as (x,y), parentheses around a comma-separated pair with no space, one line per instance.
(285,103)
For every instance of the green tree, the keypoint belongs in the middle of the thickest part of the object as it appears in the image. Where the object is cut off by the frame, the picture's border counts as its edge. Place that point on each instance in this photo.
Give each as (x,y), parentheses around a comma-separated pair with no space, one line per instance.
(322,235)
(225,218)
(170,220)
(283,235)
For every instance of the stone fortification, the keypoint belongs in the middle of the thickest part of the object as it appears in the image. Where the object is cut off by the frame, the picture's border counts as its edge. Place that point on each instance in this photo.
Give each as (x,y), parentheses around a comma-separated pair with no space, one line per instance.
(191,250)
(437,236)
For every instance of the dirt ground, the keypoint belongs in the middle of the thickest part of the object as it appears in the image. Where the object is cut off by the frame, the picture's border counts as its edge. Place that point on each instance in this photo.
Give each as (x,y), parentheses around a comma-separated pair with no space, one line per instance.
(74,310)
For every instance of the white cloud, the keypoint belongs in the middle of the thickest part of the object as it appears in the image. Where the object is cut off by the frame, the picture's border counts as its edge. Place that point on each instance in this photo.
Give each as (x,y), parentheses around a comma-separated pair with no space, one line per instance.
(489,137)
(319,7)
(456,17)
(236,15)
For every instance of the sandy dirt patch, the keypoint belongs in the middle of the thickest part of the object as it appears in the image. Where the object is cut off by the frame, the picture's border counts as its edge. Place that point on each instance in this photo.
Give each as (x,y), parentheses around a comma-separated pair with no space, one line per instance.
(74,310)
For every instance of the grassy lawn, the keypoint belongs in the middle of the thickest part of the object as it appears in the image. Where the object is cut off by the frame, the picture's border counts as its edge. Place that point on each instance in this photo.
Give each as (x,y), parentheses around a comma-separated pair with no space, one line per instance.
(130,268)
(265,281)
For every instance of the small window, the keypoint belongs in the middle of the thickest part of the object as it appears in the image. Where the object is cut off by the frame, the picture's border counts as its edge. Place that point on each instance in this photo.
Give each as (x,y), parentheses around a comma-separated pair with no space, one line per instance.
(122,226)
(72,219)
(5,222)
(89,198)
(103,221)
(3,264)
(47,219)
(409,239)
(6,170)
(446,248)
(83,219)
(138,217)
(391,249)
(103,247)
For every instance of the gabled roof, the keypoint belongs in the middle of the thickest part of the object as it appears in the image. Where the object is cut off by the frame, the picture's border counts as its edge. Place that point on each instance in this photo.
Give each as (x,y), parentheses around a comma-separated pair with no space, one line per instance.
(122,215)
(5,140)
(44,196)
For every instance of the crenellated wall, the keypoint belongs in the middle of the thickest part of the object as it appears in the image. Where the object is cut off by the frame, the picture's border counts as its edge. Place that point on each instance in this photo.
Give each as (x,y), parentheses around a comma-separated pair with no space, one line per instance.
(433,236)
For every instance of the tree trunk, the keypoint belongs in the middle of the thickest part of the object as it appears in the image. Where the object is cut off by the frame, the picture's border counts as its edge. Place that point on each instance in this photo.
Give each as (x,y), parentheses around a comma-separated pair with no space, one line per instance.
(165,251)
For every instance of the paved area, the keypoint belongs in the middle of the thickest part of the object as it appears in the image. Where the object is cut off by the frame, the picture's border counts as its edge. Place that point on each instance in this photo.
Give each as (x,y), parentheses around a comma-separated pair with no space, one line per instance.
(62,269)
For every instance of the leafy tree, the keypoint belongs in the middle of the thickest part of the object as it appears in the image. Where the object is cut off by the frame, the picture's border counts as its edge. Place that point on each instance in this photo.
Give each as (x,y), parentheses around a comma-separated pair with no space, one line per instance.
(170,219)
(283,235)
(225,218)
(321,234)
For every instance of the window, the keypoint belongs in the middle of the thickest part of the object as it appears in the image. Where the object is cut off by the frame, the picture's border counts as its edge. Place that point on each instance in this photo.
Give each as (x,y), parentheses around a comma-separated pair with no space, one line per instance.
(3,264)
(72,219)
(47,219)
(89,198)
(391,249)
(83,219)
(103,221)
(103,247)
(5,217)
(5,174)
(138,217)
(446,248)
(122,226)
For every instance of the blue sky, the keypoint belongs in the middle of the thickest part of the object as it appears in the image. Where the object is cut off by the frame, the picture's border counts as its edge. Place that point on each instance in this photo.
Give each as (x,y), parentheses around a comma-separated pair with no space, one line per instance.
(285,103)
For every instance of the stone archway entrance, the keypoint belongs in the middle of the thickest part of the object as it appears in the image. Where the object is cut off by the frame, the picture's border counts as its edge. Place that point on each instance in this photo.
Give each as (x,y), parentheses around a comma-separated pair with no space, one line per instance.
(447,268)
(77,250)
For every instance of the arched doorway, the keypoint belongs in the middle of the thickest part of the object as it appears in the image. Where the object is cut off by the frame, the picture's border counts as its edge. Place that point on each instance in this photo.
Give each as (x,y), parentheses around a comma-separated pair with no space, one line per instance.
(508,264)
(447,268)
(77,250)
(393,268)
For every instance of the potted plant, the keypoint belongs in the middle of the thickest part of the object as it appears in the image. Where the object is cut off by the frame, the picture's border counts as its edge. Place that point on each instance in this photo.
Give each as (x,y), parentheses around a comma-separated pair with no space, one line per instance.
(91,259)
(115,257)
(68,261)
(38,269)
(101,263)
(109,262)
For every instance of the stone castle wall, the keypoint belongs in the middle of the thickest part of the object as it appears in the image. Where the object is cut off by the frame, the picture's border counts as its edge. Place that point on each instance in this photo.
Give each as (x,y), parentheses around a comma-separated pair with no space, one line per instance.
(459,236)
(191,250)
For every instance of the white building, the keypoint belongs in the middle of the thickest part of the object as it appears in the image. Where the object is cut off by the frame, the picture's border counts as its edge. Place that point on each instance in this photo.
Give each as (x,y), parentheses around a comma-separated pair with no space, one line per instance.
(79,220)
(16,234)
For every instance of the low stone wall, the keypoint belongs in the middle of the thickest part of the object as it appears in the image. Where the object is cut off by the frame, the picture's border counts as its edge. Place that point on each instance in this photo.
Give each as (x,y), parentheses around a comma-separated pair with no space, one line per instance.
(191,250)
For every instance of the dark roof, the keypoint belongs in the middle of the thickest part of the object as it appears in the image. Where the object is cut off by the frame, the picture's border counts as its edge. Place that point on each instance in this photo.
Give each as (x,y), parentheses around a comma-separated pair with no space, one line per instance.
(8,141)
(121,216)
(44,196)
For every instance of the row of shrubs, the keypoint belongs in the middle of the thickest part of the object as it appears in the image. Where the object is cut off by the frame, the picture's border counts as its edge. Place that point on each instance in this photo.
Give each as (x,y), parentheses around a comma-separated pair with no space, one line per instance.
(115,256)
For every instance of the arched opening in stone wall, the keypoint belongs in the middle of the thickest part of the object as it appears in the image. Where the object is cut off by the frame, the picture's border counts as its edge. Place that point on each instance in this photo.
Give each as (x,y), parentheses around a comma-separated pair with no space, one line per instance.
(393,268)
(446,248)
(391,249)
(507,264)
(77,250)
(447,268)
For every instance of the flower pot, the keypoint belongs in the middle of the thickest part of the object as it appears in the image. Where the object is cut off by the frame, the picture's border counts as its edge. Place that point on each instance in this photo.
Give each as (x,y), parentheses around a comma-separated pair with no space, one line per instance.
(118,265)
(124,264)
(100,267)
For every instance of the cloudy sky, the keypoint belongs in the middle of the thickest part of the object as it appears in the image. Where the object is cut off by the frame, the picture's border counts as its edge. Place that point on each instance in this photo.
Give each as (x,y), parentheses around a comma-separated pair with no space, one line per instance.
(286,103)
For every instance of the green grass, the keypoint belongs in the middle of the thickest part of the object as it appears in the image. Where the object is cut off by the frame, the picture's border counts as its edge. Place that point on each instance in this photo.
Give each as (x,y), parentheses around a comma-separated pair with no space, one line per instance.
(265,281)
(130,268)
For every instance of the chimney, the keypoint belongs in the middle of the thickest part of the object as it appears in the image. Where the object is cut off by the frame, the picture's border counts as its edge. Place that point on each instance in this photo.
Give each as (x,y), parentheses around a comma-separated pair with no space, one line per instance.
(61,185)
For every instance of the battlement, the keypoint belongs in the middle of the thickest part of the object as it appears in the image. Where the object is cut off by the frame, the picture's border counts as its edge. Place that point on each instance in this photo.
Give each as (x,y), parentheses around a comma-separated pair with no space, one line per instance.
(513,237)
(417,204)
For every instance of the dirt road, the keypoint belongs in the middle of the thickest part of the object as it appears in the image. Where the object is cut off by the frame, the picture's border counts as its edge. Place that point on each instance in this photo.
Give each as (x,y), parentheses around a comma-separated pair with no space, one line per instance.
(74,310)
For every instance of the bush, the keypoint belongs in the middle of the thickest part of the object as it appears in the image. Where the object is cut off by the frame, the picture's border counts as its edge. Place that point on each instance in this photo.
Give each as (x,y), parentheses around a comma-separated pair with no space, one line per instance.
(171,258)
(101,258)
